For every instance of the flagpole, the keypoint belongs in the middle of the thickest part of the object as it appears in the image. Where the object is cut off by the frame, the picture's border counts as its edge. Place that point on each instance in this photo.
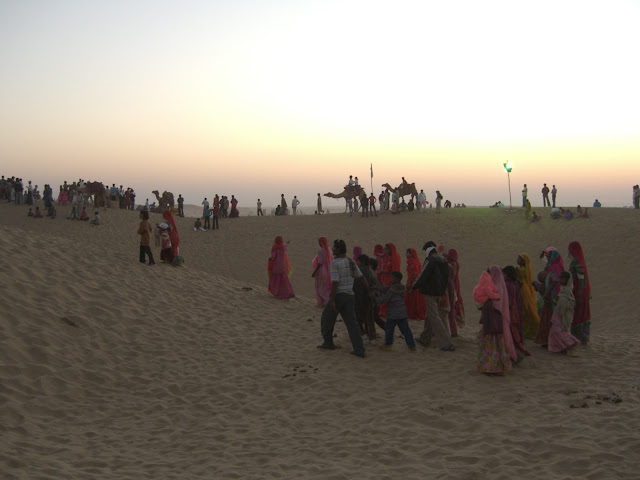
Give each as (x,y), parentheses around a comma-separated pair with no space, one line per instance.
(372,179)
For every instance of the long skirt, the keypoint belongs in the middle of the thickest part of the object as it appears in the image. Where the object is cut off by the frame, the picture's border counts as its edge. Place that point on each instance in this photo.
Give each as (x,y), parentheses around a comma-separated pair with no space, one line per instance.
(581,325)
(529,323)
(416,306)
(280,286)
(322,292)
(560,340)
(542,335)
(493,356)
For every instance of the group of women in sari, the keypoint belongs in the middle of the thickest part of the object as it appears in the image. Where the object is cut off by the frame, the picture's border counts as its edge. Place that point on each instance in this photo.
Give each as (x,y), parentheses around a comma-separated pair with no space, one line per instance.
(553,309)
(384,260)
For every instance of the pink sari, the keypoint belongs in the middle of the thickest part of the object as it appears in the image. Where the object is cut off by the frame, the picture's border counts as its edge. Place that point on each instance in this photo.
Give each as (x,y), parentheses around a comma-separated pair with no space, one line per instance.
(357,251)
(323,275)
(503,305)
(279,269)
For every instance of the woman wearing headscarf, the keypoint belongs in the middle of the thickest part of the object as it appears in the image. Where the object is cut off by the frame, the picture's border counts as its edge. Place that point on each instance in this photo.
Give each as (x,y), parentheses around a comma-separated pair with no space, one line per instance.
(527,210)
(279,269)
(173,233)
(493,358)
(391,262)
(514,289)
(413,299)
(530,318)
(457,312)
(552,270)
(322,271)
(581,325)
(503,305)
(378,254)
(357,251)
(560,339)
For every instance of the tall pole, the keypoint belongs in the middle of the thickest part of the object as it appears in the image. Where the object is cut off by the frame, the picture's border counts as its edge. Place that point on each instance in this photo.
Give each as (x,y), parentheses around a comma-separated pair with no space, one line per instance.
(509,179)
(507,168)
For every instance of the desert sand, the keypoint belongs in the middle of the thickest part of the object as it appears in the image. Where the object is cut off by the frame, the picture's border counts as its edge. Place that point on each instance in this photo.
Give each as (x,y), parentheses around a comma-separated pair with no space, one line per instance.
(110,369)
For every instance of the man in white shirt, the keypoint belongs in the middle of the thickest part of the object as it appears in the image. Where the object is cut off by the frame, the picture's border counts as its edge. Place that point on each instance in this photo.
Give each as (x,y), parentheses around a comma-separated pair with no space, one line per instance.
(205,207)
(422,200)
(525,192)
(294,204)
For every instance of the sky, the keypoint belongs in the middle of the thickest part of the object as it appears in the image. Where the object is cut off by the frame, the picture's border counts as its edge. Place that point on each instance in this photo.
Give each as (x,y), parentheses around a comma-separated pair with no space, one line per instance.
(256,98)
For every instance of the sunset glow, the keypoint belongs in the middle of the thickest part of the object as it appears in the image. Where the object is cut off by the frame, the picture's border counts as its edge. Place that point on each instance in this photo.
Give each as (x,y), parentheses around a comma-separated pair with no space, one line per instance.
(259,98)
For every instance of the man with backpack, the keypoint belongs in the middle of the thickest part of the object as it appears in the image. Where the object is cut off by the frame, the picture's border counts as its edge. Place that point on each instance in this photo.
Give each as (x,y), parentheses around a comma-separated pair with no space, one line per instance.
(432,282)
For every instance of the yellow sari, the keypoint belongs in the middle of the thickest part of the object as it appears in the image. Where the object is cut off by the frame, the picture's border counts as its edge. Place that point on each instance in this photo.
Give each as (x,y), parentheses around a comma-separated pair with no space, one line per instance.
(531,319)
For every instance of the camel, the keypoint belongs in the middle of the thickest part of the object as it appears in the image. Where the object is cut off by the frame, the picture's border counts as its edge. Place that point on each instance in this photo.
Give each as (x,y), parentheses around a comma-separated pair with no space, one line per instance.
(349,193)
(97,189)
(405,189)
(165,200)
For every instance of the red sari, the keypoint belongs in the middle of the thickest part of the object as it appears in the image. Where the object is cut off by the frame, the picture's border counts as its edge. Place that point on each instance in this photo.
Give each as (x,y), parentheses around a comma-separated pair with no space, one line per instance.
(279,269)
(414,301)
(390,263)
(173,233)
(456,315)
(581,325)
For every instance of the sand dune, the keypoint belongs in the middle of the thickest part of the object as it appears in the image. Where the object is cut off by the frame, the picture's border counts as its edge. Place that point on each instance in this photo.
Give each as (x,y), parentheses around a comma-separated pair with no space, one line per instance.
(112,369)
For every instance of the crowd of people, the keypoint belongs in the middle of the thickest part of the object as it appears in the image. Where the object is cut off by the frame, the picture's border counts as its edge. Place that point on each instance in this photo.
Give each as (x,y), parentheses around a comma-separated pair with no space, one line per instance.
(367,291)
(212,213)
(551,308)
(167,238)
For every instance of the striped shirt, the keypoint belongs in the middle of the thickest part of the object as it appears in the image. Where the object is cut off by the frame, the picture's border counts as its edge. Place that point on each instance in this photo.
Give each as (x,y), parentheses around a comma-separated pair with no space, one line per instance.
(343,271)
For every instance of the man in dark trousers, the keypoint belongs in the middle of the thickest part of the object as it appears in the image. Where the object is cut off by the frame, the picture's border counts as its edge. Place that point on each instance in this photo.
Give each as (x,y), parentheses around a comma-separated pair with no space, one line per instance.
(545,196)
(180,206)
(432,282)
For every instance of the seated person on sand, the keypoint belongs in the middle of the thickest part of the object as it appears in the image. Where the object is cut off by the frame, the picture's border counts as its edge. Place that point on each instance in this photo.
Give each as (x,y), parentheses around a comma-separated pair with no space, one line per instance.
(96,219)
(555,213)
(84,215)
(581,212)
(52,212)
(403,206)
(535,217)
(597,204)
(38,214)
(30,212)
(198,226)
(411,206)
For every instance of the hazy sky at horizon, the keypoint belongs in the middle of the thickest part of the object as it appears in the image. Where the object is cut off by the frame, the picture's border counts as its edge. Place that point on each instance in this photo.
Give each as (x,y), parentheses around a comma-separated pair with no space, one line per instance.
(260,97)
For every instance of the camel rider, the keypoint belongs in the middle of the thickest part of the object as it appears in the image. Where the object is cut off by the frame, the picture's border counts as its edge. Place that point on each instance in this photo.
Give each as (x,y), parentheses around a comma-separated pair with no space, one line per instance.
(351,181)
(356,182)
(404,183)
